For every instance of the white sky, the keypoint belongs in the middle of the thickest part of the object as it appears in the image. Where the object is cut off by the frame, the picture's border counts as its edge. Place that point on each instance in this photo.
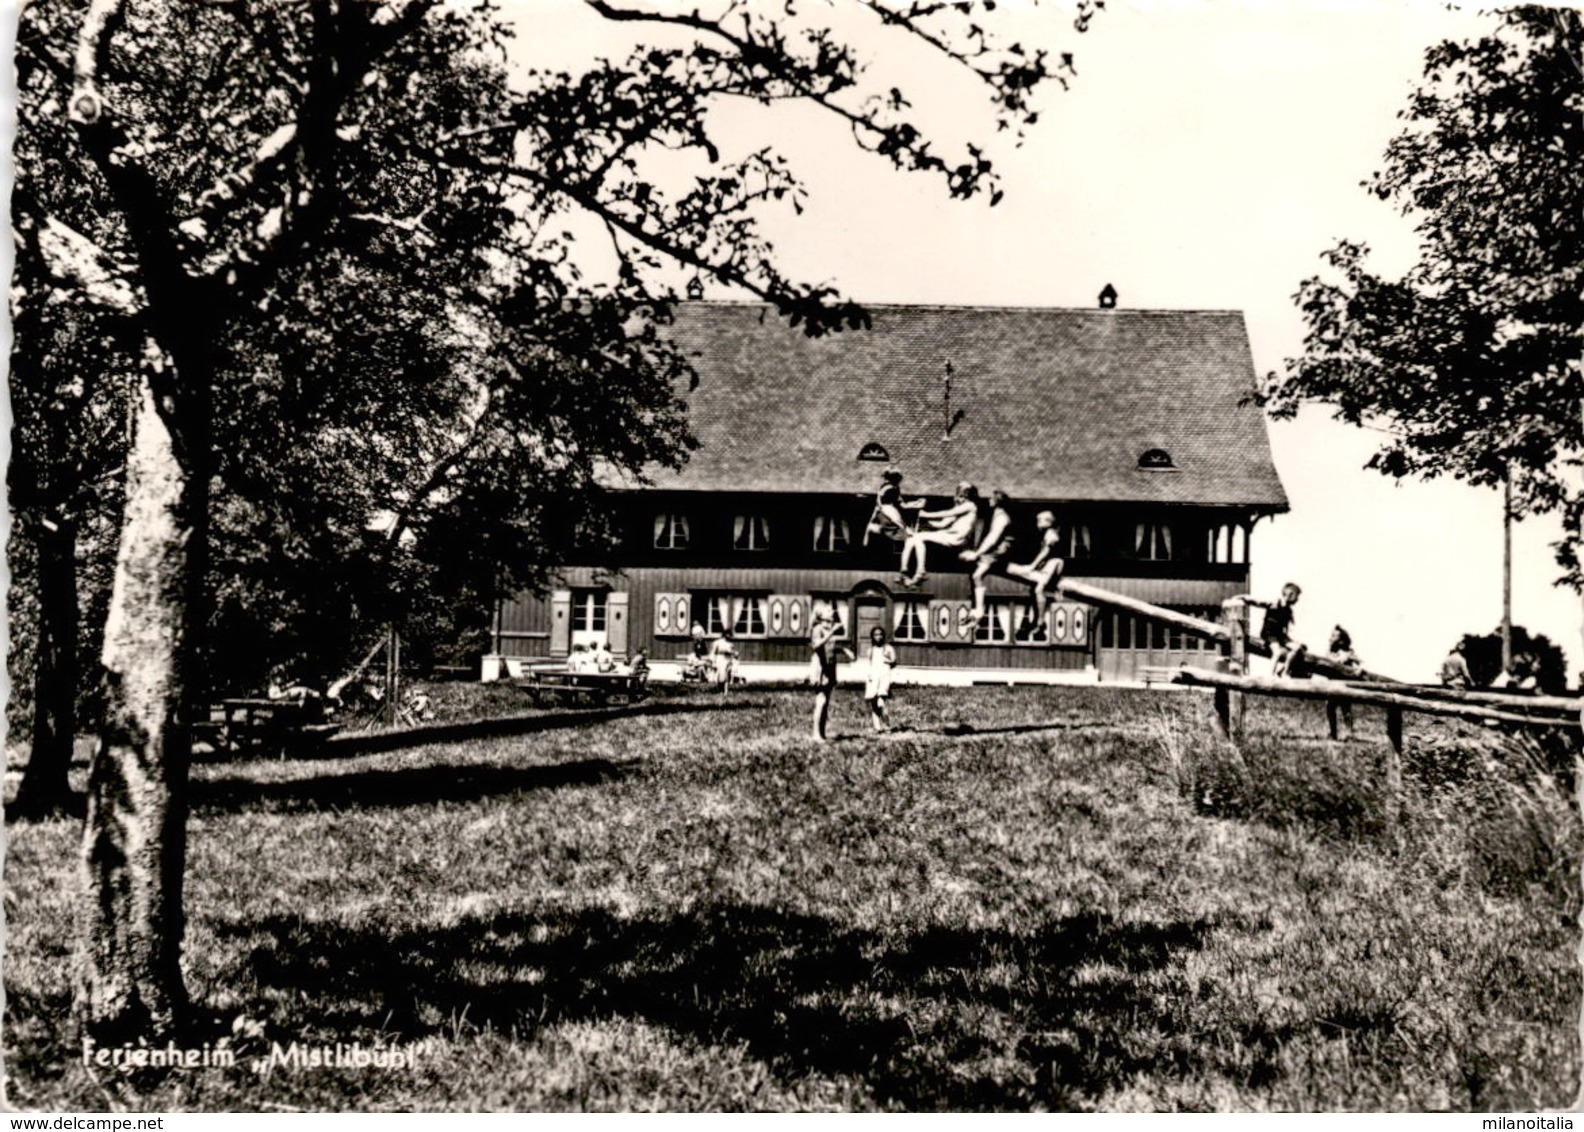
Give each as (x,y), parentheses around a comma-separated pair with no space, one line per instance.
(1205,156)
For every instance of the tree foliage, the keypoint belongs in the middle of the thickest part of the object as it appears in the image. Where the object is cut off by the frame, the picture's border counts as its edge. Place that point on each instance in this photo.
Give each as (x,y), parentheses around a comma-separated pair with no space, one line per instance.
(1484,656)
(1471,360)
(336,236)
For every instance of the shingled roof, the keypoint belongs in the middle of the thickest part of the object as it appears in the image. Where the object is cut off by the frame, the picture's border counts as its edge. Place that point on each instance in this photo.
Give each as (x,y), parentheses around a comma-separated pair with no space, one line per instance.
(1055,404)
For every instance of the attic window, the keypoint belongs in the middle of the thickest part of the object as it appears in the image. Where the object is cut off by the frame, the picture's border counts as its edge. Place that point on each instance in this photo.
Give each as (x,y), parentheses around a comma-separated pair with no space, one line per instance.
(1156,460)
(874,451)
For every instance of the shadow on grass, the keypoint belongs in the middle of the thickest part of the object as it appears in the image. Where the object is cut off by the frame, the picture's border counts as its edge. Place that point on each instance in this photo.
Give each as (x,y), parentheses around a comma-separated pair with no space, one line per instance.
(347,745)
(922,1018)
(968,730)
(412,786)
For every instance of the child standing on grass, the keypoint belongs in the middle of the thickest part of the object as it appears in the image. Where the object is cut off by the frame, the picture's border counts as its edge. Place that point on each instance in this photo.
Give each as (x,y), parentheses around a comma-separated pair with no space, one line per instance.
(877,681)
(822,667)
(723,654)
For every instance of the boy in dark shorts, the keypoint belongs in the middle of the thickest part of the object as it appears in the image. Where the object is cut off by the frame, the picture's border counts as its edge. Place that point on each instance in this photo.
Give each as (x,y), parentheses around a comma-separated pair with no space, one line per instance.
(822,667)
(1276,629)
(1046,568)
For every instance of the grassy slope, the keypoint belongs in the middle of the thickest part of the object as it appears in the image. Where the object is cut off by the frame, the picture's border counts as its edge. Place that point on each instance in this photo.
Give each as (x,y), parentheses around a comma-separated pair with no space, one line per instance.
(1086,903)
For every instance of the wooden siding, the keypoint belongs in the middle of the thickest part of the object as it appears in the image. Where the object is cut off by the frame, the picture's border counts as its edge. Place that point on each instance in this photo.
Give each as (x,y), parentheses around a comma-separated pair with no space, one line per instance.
(523,627)
(525,620)
(792,567)
(791,523)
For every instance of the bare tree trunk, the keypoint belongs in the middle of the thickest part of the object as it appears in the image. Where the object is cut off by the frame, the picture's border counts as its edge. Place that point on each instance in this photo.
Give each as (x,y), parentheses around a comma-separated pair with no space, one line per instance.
(45,789)
(128,981)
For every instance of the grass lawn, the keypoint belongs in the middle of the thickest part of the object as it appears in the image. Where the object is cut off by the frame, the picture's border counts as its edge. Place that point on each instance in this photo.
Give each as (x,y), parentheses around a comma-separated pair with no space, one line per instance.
(1037,898)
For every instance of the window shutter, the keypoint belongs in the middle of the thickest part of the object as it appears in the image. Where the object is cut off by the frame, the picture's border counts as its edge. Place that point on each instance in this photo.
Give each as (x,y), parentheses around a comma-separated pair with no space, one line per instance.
(1080,618)
(671,615)
(1058,622)
(785,617)
(616,621)
(560,622)
(1070,623)
(949,622)
(796,625)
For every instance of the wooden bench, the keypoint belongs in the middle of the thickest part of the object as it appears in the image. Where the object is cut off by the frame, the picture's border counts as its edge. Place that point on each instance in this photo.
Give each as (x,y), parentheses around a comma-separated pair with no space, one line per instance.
(557,685)
(264,726)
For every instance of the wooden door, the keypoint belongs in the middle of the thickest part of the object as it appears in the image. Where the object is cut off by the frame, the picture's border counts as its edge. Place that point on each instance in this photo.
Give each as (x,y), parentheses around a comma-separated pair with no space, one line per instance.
(868,613)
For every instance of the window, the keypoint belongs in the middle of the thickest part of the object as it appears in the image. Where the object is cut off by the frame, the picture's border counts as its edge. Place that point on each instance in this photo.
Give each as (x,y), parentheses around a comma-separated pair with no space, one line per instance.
(749,619)
(746,615)
(876,451)
(831,534)
(835,606)
(911,621)
(717,614)
(1153,542)
(751,532)
(1156,460)
(995,627)
(1228,543)
(588,616)
(1075,541)
(1031,626)
(671,532)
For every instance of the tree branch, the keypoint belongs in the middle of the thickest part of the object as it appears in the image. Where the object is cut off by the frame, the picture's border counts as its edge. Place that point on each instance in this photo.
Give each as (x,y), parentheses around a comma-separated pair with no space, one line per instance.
(100,23)
(73,258)
(690,20)
(658,241)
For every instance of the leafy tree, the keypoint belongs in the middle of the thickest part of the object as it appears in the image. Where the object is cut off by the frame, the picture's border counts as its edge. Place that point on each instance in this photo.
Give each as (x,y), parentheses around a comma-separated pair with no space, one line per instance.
(1471,360)
(318,205)
(1484,657)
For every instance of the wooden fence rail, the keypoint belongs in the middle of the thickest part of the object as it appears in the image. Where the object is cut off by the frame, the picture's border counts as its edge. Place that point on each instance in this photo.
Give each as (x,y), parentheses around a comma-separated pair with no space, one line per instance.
(1509,701)
(1396,699)
(1392,697)
(1337,686)
(1210,630)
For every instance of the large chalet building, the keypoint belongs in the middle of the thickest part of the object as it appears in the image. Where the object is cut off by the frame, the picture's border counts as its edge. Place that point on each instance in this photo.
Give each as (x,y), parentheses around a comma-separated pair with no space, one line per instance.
(1135,427)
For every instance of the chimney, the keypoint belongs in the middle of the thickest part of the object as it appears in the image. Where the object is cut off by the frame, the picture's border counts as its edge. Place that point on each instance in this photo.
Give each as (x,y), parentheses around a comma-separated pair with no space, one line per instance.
(1108,297)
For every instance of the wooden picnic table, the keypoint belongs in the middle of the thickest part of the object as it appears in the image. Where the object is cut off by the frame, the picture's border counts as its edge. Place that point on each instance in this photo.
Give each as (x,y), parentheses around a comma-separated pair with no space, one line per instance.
(249,723)
(557,685)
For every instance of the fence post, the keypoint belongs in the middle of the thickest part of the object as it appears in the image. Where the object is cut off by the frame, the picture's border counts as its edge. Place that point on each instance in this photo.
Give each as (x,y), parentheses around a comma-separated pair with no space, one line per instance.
(1234,659)
(1391,785)
(1228,702)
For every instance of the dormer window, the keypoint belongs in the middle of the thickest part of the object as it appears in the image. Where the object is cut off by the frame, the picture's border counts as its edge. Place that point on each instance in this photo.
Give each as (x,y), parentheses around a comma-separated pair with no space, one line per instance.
(751,532)
(671,532)
(1156,460)
(874,450)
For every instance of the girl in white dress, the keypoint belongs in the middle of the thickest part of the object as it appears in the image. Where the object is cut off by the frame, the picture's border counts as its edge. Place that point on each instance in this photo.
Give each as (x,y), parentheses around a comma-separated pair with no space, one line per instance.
(877,680)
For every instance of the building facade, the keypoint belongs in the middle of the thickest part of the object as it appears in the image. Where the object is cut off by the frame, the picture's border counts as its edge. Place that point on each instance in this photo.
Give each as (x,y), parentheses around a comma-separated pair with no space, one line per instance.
(1136,428)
